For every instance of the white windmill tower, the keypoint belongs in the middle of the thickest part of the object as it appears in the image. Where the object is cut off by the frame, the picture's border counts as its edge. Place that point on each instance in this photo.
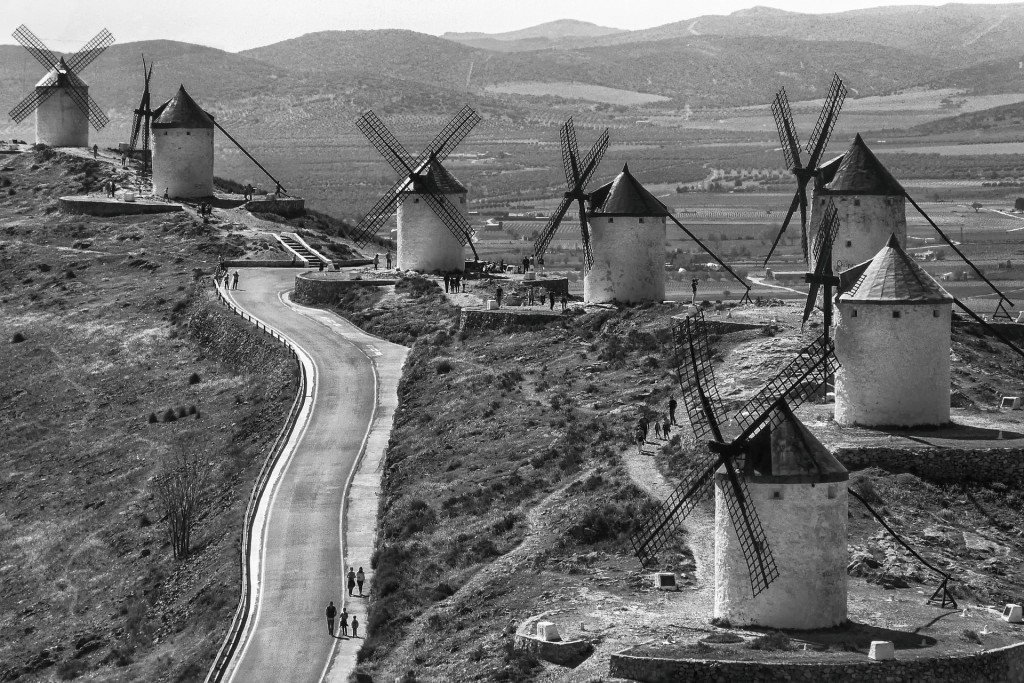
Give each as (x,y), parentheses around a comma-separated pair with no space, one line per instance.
(892,340)
(61,100)
(182,148)
(627,237)
(433,227)
(871,205)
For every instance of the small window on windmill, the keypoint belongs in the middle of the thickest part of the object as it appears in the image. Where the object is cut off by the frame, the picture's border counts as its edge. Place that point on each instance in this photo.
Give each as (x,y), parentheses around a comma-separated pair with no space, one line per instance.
(462,200)
(833,491)
(849,243)
(776,495)
(935,313)
(895,314)
(641,220)
(611,220)
(415,200)
(853,313)
(856,202)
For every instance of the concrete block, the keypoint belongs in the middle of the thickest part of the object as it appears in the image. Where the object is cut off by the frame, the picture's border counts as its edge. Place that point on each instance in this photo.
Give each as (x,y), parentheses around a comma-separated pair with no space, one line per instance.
(128,196)
(492,305)
(665,581)
(531,275)
(882,649)
(1013,614)
(1010,402)
(547,631)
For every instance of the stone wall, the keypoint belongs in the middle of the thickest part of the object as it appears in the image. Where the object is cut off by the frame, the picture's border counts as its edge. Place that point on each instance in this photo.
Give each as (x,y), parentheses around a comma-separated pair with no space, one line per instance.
(310,289)
(97,206)
(1003,665)
(504,319)
(288,207)
(981,465)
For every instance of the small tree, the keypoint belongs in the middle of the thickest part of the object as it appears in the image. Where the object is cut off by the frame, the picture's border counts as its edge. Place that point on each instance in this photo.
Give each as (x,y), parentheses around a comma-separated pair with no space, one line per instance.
(1018,205)
(976,206)
(178,492)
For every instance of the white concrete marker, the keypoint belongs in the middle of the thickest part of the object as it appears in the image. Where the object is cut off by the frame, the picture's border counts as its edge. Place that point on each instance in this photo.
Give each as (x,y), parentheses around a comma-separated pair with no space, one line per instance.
(882,649)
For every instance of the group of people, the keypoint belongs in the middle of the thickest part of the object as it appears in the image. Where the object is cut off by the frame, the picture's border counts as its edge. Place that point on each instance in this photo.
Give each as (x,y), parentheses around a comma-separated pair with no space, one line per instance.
(247,192)
(387,260)
(332,614)
(531,263)
(662,428)
(354,579)
(230,280)
(499,294)
(205,210)
(454,283)
(111,187)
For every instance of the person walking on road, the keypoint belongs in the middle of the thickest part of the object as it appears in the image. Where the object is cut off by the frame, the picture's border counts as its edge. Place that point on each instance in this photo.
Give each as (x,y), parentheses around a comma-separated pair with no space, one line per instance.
(672,409)
(234,280)
(355,626)
(360,577)
(332,612)
(376,261)
(344,622)
(351,580)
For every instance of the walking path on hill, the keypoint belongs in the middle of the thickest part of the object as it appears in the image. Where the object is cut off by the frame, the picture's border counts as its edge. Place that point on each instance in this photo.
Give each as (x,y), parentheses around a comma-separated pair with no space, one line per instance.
(306,541)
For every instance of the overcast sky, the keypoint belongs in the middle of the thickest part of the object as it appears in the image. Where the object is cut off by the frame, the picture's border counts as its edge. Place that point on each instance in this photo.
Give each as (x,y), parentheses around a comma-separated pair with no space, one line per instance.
(240,24)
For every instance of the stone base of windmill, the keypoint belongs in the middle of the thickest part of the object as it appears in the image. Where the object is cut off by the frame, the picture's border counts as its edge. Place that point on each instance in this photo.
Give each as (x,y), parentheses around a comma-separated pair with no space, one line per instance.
(122,205)
(541,636)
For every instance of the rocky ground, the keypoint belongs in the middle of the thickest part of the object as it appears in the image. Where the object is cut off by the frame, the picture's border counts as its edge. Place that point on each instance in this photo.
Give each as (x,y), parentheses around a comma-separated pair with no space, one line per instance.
(514,401)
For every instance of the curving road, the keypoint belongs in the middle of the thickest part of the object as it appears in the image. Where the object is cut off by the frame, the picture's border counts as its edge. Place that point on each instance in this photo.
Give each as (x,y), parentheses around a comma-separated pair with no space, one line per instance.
(300,563)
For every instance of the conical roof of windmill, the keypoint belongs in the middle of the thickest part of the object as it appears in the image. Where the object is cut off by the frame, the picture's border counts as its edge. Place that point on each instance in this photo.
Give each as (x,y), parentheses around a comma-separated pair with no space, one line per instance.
(828,169)
(434,177)
(892,276)
(181,111)
(59,76)
(790,453)
(861,172)
(625,196)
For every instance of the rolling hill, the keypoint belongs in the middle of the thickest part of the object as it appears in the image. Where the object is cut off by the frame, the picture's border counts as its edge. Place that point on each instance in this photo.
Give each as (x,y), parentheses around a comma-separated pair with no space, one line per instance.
(543,36)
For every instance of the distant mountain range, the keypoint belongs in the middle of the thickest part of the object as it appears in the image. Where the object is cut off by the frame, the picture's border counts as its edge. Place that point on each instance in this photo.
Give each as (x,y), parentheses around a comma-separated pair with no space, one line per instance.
(708,62)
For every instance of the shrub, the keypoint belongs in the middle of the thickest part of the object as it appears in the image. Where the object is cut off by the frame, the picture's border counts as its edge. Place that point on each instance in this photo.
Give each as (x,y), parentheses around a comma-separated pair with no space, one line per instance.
(182,411)
(194,378)
(970,636)
(17,338)
(443,367)
(192,410)
(775,640)
(71,668)
(169,415)
(152,418)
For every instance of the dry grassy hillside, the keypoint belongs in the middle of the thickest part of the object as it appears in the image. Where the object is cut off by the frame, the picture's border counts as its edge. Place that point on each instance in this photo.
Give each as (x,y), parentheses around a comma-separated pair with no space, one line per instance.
(116,362)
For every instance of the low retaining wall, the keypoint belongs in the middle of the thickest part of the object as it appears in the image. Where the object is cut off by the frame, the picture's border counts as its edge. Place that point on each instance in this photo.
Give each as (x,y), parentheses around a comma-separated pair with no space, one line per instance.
(1003,665)
(98,206)
(563,652)
(981,465)
(289,207)
(502,319)
(251,263)
(310,288)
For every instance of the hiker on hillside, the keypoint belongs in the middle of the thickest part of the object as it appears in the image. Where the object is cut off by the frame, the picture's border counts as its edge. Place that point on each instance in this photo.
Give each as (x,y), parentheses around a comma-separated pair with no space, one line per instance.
(657,429)
(376,261)
(693,286)
(447,281)
(344,621)
(564,302)
(672,409)
(360,577)
(351,580)
(638,436)
(666,427)
(95,151)
(332,612)
(355,627)
(643,425)
(497,295)
(387,259)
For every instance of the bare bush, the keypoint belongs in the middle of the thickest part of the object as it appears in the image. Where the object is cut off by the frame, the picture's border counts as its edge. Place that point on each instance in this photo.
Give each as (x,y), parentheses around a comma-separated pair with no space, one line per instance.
(178,491)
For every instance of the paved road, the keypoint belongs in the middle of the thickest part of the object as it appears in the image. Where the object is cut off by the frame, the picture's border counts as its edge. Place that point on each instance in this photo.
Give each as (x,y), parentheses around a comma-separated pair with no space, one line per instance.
(302,565)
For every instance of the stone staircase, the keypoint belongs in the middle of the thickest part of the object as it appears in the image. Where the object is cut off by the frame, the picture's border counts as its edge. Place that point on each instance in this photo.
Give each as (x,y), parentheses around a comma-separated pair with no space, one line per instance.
(298,247)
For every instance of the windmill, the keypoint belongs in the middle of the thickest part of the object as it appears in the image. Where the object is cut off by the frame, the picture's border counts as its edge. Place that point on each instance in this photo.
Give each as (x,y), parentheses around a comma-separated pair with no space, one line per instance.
(629,251)
(431,235)
(61,101)
(141,122)
(815,146)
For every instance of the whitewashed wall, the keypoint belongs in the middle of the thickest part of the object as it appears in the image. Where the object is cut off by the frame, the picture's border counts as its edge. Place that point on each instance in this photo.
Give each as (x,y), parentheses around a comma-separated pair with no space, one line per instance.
(806,530)
(60,122)
(629,260)
(183,162)
(424,242)
(895,371)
